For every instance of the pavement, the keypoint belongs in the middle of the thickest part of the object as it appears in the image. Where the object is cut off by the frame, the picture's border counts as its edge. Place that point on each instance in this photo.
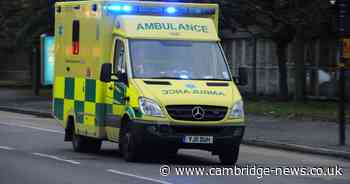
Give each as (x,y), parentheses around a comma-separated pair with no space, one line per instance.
(32,151)
(315,137)
(22,100)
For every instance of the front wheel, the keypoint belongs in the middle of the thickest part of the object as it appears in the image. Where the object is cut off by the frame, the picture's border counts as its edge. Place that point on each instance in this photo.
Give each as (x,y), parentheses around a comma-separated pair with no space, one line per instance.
(129,147)
(169,152)
(229,157)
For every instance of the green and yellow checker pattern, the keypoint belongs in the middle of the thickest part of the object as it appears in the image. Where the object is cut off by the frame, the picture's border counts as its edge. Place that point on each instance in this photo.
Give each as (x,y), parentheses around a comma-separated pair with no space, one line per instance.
(89,101)
(83,98)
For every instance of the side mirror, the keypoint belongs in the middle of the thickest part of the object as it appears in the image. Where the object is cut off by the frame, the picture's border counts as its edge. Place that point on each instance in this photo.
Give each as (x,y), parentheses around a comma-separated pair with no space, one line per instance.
(106,72)
(242,78)
(122,77)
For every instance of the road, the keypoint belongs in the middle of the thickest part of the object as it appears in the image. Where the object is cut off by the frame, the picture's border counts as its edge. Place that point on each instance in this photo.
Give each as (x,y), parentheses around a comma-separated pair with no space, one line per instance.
(32,151)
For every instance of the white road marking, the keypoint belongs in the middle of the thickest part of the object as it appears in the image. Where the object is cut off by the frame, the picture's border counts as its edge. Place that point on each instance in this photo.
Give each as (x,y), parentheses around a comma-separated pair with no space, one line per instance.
(35,128)
(6,148)
(24,118)
(136,176)
(56,158)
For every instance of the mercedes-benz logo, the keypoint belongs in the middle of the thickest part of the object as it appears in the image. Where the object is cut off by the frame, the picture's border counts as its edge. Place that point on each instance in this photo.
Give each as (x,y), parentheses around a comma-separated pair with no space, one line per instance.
(198,113)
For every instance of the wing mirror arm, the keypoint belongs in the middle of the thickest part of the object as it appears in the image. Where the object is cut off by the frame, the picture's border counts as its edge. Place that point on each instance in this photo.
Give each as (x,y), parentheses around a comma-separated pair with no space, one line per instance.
(121,77)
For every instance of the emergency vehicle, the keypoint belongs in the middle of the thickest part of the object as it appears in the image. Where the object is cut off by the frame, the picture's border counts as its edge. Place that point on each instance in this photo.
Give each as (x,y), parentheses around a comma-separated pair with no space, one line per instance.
(151,76)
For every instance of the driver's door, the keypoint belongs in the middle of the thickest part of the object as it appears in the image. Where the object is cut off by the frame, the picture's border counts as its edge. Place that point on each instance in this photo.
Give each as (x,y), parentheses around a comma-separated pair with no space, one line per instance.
(116,92)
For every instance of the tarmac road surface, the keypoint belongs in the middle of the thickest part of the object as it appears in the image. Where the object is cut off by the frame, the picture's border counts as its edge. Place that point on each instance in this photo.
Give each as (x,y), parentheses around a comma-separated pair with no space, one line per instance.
(32,151)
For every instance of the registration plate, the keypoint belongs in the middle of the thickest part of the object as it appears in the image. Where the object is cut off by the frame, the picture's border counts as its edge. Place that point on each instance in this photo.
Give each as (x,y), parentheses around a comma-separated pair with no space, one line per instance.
(198,139)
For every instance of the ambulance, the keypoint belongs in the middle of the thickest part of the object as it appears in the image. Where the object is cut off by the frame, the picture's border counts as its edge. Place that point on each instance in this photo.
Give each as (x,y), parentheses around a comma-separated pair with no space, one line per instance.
(150,76)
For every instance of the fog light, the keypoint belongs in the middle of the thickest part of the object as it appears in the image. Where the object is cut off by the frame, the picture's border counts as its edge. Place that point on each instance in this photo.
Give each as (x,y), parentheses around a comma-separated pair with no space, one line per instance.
(164,129)
(238,132)
(152,129)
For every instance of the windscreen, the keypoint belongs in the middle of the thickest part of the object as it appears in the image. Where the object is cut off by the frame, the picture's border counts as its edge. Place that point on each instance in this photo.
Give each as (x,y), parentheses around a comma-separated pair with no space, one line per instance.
(189,60)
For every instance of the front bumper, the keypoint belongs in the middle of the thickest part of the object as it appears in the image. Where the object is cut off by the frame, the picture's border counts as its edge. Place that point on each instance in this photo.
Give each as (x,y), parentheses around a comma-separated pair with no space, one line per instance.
(164,136)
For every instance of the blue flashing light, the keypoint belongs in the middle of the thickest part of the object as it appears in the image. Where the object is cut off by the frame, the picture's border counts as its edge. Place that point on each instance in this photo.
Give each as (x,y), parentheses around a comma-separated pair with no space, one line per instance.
(183,76)
(171,10)
(150,10)
(116,8)
(127,8)
(120,8)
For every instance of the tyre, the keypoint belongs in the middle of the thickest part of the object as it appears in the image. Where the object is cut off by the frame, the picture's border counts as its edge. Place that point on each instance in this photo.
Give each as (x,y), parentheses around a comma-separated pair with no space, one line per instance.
(93,145)
(85,144)
(129,147)
(78,143)
(168,152)
(229,157)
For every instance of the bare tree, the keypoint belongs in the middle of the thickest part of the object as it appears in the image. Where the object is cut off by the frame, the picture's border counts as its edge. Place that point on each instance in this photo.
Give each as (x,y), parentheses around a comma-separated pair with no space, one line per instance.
(22,22)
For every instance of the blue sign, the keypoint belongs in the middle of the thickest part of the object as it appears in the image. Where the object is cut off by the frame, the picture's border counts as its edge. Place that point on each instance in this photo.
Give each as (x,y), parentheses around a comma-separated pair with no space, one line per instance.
(47,59)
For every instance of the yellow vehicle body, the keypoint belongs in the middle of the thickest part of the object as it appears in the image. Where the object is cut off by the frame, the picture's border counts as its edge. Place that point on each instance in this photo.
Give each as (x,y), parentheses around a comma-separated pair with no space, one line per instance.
(87,35)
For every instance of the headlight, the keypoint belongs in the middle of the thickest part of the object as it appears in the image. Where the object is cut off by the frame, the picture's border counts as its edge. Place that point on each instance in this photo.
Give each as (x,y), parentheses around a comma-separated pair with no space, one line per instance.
(237,110)
(149,107)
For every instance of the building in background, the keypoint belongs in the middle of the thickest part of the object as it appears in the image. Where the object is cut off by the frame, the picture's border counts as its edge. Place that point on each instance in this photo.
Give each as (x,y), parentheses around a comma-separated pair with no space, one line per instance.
(320,62)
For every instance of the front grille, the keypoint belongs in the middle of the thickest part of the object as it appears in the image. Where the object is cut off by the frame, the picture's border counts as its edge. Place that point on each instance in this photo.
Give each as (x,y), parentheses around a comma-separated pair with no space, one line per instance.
(193,130)
(184,112)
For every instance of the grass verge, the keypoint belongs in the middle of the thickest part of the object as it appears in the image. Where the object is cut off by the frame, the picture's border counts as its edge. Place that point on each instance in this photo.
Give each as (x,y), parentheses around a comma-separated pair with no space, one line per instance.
(317,110)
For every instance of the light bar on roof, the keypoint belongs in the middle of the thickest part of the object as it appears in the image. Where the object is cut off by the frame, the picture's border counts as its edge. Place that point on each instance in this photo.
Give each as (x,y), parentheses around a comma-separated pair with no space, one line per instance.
(158,10)
(170,10)
(114,8)
(127,8)
(119,8)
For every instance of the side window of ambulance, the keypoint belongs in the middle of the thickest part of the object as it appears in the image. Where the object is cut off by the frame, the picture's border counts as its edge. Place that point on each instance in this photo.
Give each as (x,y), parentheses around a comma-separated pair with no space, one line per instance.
(119,57)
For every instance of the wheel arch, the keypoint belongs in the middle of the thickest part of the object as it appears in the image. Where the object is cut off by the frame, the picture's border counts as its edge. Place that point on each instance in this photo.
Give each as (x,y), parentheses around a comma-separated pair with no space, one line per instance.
(124,121)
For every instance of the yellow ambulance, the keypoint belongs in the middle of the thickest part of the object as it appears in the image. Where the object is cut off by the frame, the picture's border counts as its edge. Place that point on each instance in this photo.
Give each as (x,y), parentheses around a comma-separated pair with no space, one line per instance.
(150,76)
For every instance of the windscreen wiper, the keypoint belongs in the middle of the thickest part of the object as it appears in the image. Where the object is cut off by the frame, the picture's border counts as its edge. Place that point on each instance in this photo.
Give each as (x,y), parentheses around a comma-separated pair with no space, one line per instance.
(175,78)
(212,79)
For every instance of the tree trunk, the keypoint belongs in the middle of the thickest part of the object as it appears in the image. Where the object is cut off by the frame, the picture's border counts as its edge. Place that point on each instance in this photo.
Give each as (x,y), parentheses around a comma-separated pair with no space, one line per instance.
(299,69)
(282,68)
